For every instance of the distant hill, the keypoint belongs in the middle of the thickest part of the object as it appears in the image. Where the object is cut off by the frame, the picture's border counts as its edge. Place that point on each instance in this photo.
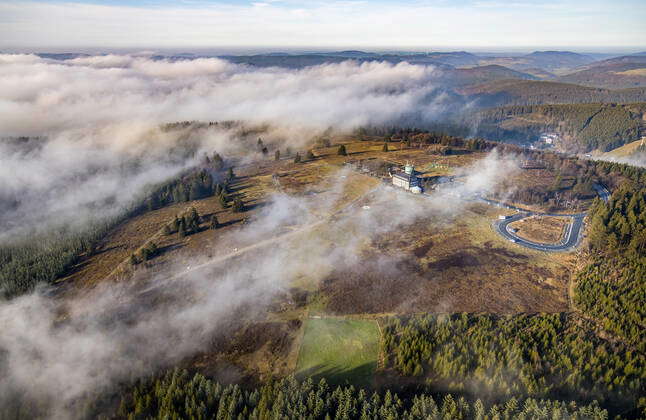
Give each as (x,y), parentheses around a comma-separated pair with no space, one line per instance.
(483,74)
(314,59)
(61,56)
(348,54)
(532,92)
(615,73)
(456,58)
(559,62)
(540,73)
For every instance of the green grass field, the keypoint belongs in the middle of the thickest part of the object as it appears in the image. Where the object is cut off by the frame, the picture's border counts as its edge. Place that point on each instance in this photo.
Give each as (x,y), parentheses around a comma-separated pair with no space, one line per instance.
(340,350)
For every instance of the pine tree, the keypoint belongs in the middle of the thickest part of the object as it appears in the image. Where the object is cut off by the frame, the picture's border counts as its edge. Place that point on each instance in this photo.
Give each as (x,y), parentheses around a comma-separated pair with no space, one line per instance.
(223,199)
(238,206)
(341,151)
(217,161)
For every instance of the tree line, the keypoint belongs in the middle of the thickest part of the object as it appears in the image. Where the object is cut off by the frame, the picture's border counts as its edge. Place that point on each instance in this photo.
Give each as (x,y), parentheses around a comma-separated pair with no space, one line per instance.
(180,395)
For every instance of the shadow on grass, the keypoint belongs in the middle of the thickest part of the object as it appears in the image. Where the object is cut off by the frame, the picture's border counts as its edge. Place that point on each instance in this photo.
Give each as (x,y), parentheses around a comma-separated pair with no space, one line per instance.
(359,376)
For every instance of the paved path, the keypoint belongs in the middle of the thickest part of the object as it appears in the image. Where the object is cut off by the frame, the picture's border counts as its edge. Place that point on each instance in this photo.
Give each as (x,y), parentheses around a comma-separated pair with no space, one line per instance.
(573,230)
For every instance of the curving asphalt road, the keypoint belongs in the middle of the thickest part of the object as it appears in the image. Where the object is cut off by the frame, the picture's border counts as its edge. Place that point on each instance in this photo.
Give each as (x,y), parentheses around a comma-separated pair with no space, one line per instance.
(572,235)
(570,239)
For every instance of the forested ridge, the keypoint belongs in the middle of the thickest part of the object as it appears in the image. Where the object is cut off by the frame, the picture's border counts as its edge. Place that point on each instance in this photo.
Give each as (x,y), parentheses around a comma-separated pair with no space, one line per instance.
(179,395)
(532,92)
(611,288)
(44,257)
(584,127)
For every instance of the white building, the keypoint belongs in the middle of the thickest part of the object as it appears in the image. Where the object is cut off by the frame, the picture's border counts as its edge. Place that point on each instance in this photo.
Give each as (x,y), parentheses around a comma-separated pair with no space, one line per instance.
(407,180)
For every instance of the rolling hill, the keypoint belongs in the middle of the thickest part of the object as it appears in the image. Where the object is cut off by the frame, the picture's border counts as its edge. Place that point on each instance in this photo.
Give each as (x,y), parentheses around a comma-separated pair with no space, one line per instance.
(532,92)
(614,73)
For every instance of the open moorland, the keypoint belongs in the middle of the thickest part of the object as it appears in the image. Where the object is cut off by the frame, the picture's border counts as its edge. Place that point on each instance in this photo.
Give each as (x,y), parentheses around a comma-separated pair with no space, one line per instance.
(453,263)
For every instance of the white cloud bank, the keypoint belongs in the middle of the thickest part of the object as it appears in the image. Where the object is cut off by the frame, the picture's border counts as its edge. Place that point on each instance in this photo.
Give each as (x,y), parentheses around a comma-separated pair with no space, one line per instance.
(38,95)
(101,115)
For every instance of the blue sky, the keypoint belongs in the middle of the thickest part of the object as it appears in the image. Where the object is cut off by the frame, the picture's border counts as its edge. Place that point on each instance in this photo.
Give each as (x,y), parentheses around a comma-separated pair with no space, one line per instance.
(423,24)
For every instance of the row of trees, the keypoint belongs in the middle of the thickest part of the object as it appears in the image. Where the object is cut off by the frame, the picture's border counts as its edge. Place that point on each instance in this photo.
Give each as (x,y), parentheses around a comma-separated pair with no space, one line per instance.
(178,395)
(193,186)
(540,356)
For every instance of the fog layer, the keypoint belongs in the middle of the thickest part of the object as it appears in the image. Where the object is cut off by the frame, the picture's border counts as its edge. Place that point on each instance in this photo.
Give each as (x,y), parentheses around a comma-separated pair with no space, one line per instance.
(98,121)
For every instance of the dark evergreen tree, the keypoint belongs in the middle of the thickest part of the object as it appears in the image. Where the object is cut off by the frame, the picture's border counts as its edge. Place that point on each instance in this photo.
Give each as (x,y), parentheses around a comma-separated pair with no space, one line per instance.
(238,205)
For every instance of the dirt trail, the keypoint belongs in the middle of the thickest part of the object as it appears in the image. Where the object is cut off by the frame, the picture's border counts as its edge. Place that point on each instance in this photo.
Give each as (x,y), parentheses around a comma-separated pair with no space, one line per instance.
(258,245)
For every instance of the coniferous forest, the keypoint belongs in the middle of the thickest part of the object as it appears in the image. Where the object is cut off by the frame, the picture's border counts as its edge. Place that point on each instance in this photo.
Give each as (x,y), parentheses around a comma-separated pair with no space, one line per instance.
(179,395)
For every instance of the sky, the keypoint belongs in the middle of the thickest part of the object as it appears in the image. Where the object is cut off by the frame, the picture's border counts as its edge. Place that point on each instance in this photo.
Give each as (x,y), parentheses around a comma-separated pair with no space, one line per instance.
(584,25)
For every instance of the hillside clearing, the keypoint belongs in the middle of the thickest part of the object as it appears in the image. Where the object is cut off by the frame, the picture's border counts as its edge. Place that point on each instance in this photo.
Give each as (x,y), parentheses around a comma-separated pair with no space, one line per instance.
(344,351)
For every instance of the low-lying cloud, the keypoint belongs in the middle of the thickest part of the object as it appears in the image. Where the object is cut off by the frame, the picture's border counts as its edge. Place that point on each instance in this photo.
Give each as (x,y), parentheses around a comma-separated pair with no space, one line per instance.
(40,95)
(98,121)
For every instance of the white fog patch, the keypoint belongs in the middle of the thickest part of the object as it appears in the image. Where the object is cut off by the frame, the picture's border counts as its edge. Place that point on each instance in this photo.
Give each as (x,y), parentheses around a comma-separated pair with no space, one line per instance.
(39,95)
